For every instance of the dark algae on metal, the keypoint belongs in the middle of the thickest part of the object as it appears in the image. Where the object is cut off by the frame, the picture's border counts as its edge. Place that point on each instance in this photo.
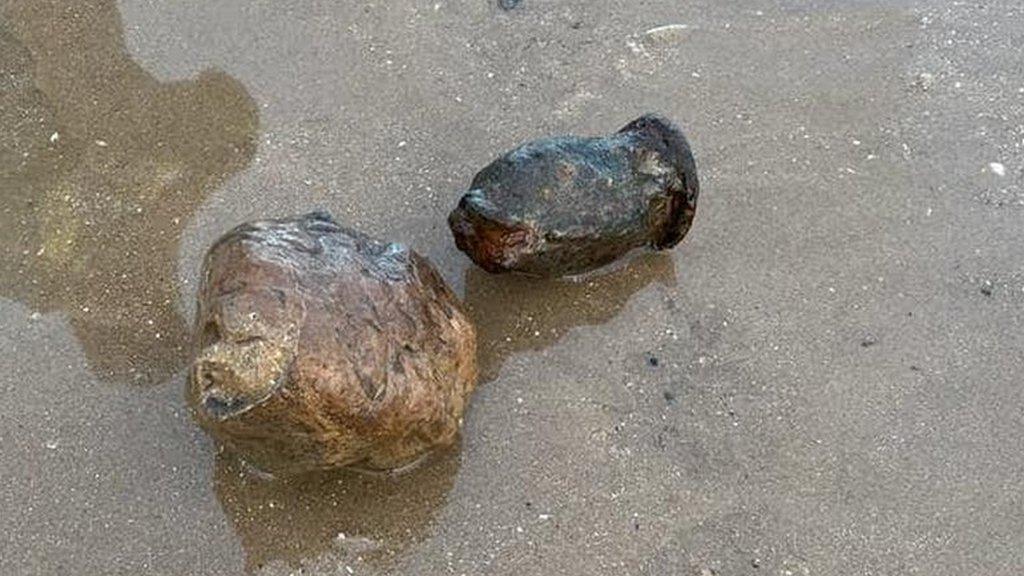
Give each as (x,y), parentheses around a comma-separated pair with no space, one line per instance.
(568,204)
(319,347)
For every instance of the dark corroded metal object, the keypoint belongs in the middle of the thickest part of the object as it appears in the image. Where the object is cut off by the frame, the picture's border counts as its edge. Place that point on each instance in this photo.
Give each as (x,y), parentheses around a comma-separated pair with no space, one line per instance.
(319,347)
(567,205)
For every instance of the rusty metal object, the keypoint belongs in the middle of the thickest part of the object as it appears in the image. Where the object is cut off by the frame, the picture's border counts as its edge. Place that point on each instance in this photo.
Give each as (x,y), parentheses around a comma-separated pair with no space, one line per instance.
(568,205)
(319,347)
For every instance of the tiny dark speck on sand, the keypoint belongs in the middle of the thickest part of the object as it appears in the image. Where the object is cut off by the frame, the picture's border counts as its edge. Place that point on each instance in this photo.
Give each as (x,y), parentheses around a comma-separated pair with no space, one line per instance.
(670,397)
(653,361)
(986,290)
(868,342)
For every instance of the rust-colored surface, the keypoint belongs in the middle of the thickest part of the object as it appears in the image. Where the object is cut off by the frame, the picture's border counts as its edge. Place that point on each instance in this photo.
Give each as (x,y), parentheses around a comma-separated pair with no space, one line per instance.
(320,347)
(567,205)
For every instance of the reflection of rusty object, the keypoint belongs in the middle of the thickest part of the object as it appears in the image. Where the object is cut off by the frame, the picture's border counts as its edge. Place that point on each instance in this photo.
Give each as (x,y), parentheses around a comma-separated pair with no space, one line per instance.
(322,348)
(567,205)
(515,313)
(340,515)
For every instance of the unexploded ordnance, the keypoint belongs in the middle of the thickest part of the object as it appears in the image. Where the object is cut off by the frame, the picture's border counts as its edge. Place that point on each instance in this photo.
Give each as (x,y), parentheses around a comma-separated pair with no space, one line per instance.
(320,347)
(569,204)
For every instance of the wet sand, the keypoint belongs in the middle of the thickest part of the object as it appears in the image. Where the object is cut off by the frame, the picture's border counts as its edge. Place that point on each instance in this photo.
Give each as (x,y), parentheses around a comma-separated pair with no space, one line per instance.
(823,378)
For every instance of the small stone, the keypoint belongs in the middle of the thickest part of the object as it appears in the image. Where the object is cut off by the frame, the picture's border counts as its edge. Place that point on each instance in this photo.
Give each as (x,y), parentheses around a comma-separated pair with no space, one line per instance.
(997,168)
(508,4)
(667,33)
(925,81)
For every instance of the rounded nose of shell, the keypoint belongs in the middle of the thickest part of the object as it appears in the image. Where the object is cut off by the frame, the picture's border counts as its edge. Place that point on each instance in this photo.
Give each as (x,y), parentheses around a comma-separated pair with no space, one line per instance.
(220,391)
(229,379)
(212,380)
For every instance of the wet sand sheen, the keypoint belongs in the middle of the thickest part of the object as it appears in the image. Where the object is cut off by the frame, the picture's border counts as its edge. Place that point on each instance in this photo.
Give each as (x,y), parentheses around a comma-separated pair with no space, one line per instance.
(708,410)
(106,167)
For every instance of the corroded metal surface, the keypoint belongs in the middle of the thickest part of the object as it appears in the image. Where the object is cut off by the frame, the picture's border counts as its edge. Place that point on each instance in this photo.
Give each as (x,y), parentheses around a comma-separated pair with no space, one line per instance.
(567,205)
(320,347)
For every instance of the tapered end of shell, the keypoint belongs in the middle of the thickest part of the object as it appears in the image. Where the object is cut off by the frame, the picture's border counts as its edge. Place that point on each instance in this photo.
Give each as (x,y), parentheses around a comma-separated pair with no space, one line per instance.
(492,243)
